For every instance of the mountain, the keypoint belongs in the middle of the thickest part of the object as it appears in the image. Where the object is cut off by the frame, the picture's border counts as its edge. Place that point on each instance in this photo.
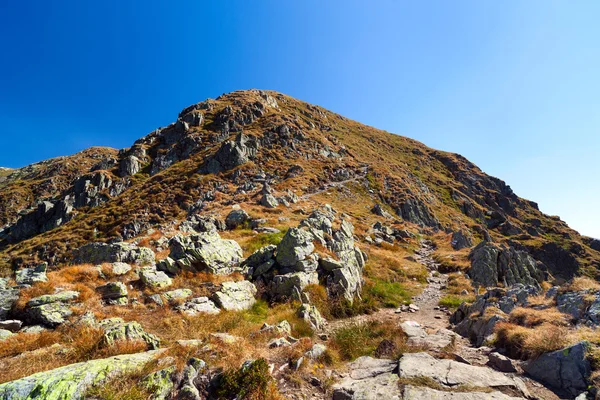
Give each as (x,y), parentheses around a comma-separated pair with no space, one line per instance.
(256,195)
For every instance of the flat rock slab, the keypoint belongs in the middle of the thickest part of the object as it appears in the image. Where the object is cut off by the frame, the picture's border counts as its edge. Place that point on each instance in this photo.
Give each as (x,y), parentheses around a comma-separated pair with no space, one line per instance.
(72,381)
(452,373)
(422,393)
(380,387)
(368,367)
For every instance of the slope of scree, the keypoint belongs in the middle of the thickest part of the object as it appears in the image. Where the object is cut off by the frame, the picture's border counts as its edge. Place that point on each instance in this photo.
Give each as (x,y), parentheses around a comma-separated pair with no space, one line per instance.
(219,152)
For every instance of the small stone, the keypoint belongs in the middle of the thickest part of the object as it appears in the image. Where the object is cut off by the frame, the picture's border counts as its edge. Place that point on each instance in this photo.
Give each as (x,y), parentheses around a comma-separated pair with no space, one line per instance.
(12,325)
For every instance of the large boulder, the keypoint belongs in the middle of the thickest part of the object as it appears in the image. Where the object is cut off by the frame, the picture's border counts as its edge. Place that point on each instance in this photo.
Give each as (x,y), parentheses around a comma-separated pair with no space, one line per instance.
(232,154)
(204,251)
(450,373)
(235,295)
(72,381)
(295,246)
(312,316)
(236,218)
(116,330)
(491,264)
(461,240)
(260,262)
(567,369)
(50,310)
(422,392)
(98,253)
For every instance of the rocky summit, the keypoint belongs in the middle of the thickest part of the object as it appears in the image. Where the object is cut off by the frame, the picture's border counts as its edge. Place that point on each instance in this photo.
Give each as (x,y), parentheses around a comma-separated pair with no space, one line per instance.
(260,247)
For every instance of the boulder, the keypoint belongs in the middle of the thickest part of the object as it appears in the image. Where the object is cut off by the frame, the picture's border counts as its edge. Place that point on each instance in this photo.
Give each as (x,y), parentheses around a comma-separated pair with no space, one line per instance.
(260,261)
(289,284)
(154,279)
(269,201)
(311,314)
(8,298)
(378,210)
(160,383)
(368,367)
(236,218)
(583,306)
(50,310)
(114,293)
(491,264)
(567,369)
(235,295)
(115,330)
(415,211)
(72,381)
(205,251)
(129,166)
(119,268)
(451,373)
(177,295)
(198,305)
(295,246)
(460,240)
(29,276)
(232,154)
(98,253)
(501,362)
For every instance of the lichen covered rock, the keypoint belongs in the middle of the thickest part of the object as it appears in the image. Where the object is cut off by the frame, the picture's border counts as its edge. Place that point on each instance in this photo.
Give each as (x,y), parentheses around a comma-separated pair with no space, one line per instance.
(98,253)
(116,329)
(235,295)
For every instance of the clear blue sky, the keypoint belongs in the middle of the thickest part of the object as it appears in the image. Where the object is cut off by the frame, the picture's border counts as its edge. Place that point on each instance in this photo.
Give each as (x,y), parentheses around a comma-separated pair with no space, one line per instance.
(512,85)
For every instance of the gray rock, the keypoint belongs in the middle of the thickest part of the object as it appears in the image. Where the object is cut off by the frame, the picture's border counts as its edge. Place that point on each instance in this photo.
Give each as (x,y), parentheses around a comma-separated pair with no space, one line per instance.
(232,154)
(29,276)
(152,278)
(199,305)
(205,251)
(5,334)
(269,201)
(72,381)
(415,211)
(160,383)
(491,265)
(46,216)
(501,362)
(316,351)
(278,342)
(452,373)
(378,210)
(235,295)
(312,315)
(113,293)
(420,393)
(583,306)
(460,240)
(98,253)
(119,268)
(295,246)
(288,284)
(177,295)
(253,264)
(368,367)
(65,296)
(566,369)
(115,330)
(51,315)
(129,166)
(236,218)
(8,298)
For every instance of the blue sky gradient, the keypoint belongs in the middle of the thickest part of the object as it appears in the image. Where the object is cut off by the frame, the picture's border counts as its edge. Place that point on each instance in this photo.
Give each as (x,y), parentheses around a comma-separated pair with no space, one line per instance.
(511,85)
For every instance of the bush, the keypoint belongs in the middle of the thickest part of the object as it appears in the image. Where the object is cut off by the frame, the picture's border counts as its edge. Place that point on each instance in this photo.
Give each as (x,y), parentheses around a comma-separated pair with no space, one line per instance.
(251,383)
(453,301)
(264,239)
(389,294)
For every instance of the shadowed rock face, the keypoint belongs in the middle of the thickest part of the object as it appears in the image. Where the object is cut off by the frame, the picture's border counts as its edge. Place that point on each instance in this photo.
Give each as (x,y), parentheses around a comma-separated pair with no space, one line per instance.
(491,264)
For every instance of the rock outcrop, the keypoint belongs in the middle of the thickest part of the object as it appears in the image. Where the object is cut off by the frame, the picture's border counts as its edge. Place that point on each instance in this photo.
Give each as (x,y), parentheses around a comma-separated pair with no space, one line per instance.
(491,264)
(72,381)
(98,253)
(204,251)
(567,369)
(235,296)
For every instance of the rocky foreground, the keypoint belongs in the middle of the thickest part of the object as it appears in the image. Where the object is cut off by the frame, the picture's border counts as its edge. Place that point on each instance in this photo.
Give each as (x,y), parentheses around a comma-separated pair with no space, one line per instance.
(263,248)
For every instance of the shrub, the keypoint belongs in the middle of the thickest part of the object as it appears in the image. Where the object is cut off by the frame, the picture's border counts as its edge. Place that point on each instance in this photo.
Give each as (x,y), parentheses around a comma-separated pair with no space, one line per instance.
(251,382)
(453,301)
(389,294)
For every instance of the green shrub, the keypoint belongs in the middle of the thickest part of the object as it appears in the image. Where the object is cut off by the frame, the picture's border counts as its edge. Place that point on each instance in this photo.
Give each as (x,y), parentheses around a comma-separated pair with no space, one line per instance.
(453,301)
(251,383)
(389,294)
(264,239)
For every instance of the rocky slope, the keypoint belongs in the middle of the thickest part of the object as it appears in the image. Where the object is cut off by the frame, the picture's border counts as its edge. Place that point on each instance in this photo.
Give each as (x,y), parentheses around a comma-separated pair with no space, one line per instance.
(238,231)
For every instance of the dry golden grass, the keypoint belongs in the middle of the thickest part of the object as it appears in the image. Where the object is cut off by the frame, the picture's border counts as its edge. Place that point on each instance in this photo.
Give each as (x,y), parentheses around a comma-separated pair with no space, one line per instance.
(25,354)
(531,342)
(530,317)
(581,283)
